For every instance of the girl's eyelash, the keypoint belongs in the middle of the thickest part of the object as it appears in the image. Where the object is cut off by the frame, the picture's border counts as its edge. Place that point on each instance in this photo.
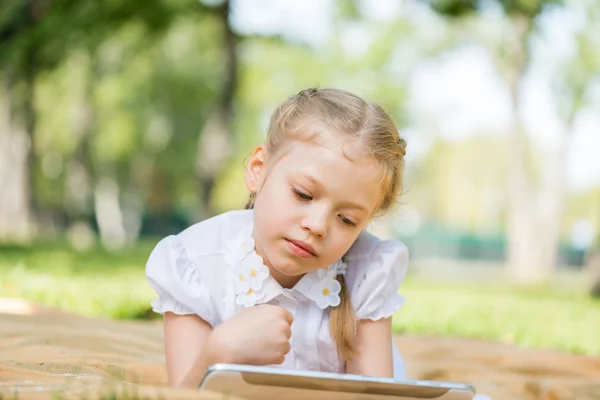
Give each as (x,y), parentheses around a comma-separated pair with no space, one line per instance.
(346,221)
(301,195)
(307,197)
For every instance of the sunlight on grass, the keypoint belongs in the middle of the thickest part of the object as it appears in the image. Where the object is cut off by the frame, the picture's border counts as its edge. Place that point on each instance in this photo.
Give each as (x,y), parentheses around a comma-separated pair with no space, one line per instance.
(121,295)
(95,283)
(541,318)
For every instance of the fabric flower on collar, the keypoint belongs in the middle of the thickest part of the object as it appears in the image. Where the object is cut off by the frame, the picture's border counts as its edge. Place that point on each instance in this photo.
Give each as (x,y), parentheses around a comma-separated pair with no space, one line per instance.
(250,273)
(337,268)
(340,267)
(326,292)
(247,299)
(248,270)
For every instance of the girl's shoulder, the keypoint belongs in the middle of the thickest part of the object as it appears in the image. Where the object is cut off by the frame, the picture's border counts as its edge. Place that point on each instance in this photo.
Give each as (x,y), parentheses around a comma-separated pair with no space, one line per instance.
(211,236)
(374,273)
(368,248)
(186,269)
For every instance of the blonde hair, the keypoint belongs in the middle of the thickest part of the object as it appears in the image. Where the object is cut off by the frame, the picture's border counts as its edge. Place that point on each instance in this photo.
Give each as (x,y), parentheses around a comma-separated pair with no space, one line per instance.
(316,111)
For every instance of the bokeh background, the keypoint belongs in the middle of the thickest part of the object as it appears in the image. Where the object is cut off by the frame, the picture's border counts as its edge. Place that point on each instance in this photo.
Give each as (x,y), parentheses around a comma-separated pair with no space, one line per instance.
(124,121)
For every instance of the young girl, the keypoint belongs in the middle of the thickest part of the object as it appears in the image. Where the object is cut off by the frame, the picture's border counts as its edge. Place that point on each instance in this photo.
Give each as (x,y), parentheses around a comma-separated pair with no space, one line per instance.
(294,280)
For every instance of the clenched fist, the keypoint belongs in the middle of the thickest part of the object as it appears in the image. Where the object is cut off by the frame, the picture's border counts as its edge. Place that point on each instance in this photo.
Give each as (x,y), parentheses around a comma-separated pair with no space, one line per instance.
(255,336)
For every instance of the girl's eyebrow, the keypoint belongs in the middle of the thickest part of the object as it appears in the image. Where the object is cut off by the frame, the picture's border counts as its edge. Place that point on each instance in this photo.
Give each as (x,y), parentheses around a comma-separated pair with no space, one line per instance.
(312,179)
(346,204)
(358,206)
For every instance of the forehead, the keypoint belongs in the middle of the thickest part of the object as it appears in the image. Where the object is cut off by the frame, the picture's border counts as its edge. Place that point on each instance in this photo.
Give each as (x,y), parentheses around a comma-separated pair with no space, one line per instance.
(339,164)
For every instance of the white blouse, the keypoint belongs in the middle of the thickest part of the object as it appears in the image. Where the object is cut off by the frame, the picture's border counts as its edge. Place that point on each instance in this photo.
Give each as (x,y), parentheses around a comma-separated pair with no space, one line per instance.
(211,269)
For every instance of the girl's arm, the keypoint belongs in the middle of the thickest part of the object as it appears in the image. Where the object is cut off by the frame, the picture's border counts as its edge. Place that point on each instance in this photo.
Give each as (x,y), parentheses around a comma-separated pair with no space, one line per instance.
(374,343)
(257,335)
(186,349)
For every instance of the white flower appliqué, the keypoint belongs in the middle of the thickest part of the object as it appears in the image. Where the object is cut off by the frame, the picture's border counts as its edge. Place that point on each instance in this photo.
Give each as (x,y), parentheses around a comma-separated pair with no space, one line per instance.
(340,267)
(249,273)
(337,268)
(247,299)
(326,292)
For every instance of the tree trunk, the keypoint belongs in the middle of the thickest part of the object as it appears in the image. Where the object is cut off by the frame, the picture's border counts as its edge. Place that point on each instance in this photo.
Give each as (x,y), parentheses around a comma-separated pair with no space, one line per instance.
(80,172)
(214,145)
(535,212)
(523,250)
(18,205)
(551,210)
(29,119)
(109,213)
(15,216)
(592,266)
(214,149)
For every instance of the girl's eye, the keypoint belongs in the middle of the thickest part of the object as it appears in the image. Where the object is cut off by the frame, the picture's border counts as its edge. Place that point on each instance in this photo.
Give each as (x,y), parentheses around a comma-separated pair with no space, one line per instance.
(301,195)
(347,221)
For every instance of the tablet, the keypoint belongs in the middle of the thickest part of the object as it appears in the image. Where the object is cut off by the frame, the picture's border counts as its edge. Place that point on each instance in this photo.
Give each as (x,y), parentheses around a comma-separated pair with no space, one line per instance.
(269,383)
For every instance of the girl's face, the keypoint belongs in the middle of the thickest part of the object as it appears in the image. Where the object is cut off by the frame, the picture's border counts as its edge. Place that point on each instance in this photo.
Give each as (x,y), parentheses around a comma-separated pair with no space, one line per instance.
(311,204)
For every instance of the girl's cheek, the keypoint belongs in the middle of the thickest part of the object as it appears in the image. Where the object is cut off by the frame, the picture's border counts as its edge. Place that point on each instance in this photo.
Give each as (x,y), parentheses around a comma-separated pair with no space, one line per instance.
(338,248)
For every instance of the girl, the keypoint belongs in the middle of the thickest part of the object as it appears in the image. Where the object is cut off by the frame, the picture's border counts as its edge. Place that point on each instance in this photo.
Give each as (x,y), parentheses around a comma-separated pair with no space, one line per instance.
(294,280)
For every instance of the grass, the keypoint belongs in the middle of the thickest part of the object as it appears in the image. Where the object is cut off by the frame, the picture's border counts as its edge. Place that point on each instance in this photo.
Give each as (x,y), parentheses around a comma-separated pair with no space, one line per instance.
(531,318)
(96,283)
(99,283)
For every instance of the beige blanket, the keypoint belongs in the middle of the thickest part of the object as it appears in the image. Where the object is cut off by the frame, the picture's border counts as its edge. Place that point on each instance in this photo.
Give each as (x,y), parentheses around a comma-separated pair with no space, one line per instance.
(45,352)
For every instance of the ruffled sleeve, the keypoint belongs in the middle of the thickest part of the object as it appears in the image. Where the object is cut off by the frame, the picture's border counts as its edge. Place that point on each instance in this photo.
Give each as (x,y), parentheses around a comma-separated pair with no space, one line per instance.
(376,269)
(177,281)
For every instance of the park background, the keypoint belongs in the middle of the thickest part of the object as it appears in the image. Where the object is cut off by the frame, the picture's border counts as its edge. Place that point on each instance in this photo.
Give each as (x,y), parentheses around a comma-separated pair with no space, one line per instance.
(122,122)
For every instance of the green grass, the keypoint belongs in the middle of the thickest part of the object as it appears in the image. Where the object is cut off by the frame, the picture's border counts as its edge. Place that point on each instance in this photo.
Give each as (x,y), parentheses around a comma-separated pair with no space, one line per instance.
(531,318)
(99,283)
(94,283)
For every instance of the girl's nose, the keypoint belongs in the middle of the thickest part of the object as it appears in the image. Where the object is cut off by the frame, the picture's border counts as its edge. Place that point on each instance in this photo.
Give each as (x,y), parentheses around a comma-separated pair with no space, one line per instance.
(316,223)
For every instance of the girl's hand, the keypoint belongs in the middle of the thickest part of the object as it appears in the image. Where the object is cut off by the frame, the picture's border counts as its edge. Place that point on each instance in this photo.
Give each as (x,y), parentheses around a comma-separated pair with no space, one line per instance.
(255,336)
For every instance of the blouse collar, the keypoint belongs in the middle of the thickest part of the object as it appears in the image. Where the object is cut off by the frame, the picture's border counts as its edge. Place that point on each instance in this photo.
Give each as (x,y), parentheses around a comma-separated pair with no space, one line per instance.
(255,285)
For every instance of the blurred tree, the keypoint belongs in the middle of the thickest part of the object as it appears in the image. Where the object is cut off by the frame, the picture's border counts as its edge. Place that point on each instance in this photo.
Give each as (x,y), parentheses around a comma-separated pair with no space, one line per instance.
(36,35)
(573,80)
(19,66)
(461,184)
(533,231)
(215,145)
(40,35)
(577,76)
(91,186)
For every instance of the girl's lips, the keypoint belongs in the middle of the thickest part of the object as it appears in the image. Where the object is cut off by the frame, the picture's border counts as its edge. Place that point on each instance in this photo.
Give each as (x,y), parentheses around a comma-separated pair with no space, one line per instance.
(301,249)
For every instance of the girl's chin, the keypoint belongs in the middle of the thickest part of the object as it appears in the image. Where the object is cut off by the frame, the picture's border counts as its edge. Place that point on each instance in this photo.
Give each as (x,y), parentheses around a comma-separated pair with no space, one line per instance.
(290,271)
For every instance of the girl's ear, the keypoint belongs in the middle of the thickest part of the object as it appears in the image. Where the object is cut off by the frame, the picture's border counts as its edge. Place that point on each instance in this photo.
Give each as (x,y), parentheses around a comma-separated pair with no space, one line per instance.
(256,168)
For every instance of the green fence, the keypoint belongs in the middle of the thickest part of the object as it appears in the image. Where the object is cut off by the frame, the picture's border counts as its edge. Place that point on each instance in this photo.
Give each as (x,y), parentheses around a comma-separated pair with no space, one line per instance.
(436,240)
